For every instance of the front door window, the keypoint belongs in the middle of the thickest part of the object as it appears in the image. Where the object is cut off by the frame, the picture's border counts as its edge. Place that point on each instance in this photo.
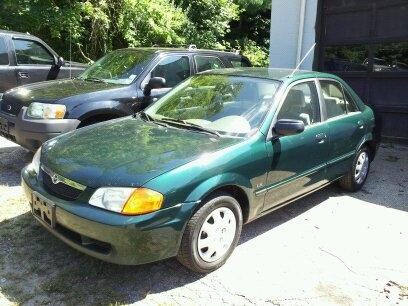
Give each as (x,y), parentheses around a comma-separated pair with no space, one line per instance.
(301,103)
(30,52)
(174,69)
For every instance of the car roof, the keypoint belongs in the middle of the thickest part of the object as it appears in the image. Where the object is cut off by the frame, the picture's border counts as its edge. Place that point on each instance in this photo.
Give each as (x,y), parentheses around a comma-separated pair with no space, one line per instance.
(180,50)
(270,73)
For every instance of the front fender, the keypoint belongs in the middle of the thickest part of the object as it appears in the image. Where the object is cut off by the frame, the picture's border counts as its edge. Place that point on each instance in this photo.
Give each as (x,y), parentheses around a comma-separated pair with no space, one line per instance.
(210,185)
(89,109)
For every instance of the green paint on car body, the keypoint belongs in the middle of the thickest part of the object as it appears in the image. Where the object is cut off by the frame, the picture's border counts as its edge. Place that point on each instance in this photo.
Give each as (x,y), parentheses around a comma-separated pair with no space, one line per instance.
(186,165)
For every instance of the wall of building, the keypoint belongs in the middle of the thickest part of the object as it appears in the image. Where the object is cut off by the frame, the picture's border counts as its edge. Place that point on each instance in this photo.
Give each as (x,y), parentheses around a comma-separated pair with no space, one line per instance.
(290,39)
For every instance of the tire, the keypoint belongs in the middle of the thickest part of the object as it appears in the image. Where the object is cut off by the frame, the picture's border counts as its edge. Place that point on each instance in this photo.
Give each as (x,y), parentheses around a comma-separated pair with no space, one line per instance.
(355,178)
(193,252)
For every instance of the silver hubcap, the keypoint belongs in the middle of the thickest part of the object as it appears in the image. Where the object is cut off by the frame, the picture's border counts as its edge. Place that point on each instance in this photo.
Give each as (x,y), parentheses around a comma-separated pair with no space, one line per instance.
(216,234)
(361,168)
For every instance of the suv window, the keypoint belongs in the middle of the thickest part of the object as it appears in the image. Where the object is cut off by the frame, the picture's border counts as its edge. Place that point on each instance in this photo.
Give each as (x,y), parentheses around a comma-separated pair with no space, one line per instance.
(205,62)
(173,68)
(301,103)
(239,62)
(333,98)
(3,52)
(30,52)
(350,104)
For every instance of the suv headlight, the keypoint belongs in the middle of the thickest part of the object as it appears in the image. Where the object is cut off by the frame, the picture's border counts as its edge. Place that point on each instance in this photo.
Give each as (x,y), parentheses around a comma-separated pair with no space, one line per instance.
(127,201)
(46,111)
(35,164)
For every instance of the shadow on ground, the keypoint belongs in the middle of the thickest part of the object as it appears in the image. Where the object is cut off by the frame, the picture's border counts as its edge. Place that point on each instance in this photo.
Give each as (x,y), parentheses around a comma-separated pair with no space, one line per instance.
(12,160)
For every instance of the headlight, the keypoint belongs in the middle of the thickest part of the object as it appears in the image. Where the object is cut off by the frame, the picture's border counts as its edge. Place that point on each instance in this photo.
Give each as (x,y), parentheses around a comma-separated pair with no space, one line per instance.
(46,111)
(127,201)
(35,164)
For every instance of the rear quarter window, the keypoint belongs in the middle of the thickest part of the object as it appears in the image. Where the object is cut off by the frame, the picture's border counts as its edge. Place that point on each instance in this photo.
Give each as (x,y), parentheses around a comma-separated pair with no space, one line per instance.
(4,60)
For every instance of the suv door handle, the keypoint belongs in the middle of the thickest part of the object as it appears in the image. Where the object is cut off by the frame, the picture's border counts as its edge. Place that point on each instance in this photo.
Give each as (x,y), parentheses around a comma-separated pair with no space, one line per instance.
(321,137)
(23,75)
(360,124)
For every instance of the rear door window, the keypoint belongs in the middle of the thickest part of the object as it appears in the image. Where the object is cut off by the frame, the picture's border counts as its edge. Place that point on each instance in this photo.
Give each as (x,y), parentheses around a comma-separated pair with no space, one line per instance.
(239,62)
(205,62)
(333,97)
(29,52)
(350,104)
(4,60)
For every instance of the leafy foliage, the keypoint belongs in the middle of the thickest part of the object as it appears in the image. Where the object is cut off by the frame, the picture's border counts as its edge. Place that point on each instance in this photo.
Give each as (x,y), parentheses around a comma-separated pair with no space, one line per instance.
(95,27)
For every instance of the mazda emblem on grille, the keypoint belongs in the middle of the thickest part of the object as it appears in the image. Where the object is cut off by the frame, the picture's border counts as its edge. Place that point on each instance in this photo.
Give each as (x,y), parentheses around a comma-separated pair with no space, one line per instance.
(9,107)
(55,178)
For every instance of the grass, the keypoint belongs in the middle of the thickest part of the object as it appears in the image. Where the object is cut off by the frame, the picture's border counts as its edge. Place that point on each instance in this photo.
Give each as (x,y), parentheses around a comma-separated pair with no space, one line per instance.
(34,264)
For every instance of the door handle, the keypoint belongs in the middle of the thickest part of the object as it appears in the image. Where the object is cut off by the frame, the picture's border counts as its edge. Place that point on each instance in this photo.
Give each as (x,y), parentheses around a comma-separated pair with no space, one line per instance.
(321,137)
(23,75)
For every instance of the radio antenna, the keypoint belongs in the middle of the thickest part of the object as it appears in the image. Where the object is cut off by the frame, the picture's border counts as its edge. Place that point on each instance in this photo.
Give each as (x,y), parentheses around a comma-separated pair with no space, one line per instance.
(70,53)
(300,63)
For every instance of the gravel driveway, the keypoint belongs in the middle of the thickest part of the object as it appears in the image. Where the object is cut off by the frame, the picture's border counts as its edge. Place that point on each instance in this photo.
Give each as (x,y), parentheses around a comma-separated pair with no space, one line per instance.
(330,248)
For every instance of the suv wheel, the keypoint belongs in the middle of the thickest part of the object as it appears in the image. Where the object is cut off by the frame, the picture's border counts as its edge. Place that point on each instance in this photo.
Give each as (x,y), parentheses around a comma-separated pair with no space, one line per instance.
(358,173)
(211,234)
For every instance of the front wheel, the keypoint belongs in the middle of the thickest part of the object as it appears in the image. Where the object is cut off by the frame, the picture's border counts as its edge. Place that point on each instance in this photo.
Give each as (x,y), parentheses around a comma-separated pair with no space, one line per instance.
(356,177)
(211,234)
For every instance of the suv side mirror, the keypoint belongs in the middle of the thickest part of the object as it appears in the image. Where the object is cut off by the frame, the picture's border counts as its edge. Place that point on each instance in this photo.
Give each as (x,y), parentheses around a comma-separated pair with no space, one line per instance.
(60,62)
(286,127)
(154,83)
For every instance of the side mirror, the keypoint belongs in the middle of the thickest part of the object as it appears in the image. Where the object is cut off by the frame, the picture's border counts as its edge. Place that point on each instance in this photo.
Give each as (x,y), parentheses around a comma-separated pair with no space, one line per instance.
(154,83)
(60,62)
(286,127)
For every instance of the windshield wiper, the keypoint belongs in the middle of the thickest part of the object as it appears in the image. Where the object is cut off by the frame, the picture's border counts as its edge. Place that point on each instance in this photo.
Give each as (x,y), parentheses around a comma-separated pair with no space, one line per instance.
(93,79)
(190,125)
(143,115)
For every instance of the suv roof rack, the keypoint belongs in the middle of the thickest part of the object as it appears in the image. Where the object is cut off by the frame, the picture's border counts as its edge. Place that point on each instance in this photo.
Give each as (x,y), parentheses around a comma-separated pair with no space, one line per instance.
(193,47)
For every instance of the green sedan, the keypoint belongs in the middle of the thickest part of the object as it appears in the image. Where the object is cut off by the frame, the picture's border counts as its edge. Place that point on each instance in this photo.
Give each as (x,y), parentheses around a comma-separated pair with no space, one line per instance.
(181,178)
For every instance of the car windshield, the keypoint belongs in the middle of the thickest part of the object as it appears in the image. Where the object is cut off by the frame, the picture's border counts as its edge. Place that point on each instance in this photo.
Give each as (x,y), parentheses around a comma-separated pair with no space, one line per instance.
(118,67)
(223,104)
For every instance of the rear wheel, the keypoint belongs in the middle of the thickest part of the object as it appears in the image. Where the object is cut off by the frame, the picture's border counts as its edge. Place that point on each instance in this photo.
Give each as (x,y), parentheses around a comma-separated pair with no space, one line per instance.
(211,234)
(358,173)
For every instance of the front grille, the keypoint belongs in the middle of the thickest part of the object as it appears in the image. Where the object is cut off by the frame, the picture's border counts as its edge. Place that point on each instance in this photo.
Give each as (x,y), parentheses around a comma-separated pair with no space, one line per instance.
(60,189)
(10,105)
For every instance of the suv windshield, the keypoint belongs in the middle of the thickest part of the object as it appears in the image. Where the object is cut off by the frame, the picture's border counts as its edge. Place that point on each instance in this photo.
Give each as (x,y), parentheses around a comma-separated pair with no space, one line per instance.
(118,67)
(228,105)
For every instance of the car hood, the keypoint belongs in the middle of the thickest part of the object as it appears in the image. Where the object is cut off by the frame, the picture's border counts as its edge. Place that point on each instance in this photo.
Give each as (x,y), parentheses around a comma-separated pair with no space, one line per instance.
(126,152)
(53,91)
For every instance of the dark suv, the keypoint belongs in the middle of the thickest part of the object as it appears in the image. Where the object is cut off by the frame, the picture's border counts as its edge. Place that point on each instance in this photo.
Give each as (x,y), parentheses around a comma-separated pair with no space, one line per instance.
(26,59)
(120,83)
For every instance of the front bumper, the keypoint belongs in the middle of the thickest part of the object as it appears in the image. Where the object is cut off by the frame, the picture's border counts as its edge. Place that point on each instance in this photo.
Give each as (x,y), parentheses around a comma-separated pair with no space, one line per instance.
(126,240)
(31,133)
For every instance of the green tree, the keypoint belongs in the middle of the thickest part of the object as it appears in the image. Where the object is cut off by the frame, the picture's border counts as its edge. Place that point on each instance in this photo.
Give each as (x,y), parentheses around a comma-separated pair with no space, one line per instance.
(209,21)
(90,28)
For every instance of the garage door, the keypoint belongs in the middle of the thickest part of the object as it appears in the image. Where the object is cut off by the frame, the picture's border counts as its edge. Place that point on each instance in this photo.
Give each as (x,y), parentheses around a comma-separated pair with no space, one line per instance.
(366,43)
